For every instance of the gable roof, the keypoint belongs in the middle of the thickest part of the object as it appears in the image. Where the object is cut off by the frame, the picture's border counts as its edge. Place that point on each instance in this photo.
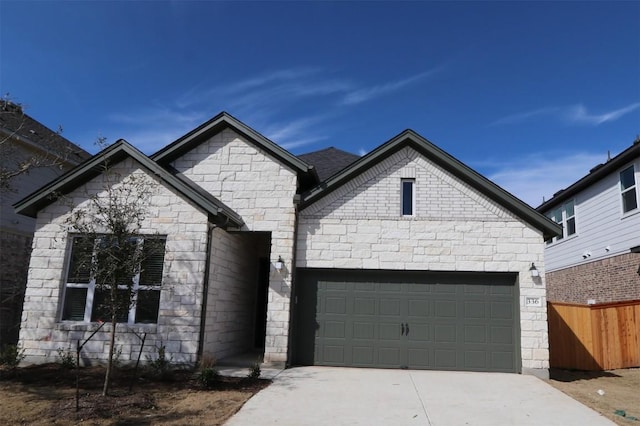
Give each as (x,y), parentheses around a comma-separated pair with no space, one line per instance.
(15,123)
(329,161)
(409,138)
(217,211)
(305,172)
(596,174)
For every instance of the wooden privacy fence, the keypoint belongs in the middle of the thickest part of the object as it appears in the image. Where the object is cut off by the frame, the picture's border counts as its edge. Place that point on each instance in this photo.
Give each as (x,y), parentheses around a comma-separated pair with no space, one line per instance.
(594,337)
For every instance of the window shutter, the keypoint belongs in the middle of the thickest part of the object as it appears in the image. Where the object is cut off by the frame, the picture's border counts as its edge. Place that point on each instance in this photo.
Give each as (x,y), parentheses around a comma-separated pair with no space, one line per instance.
(153,262)
(80,262)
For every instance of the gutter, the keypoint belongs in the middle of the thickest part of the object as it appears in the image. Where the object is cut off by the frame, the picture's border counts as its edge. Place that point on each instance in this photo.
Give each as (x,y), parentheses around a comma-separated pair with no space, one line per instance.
(293,302)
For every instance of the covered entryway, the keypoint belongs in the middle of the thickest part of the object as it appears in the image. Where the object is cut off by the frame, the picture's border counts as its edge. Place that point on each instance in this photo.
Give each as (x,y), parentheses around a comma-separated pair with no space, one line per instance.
(401,319)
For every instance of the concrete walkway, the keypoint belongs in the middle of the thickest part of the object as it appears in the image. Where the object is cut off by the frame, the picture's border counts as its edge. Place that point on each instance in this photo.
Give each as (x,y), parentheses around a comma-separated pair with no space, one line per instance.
(351,396)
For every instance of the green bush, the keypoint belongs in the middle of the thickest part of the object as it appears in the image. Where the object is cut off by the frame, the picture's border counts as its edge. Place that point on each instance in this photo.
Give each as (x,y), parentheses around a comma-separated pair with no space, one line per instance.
(11,356)
(161,366)
(255,371)
(208,377)
(66,358)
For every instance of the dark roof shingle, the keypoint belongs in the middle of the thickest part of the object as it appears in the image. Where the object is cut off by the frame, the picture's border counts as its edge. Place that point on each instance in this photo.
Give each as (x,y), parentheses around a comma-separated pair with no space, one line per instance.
(329,161)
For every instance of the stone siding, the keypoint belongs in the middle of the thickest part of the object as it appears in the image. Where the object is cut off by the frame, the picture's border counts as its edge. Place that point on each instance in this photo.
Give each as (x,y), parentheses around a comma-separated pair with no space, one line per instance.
(261,190)
(613,279)
(454,228)
(231,297)
(42,332)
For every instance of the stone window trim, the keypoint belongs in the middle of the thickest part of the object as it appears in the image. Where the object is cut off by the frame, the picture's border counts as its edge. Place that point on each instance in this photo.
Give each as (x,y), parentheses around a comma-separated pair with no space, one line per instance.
(628,190)
(80,308)
(407,196)
(564,215)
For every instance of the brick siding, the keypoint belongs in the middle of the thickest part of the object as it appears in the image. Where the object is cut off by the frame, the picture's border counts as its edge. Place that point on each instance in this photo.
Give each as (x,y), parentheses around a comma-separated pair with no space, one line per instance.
(613,279)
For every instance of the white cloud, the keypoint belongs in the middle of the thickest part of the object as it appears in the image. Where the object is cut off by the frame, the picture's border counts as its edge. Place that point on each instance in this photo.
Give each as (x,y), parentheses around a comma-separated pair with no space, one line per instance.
(524,116)
(539,176)
(368,93)
(573,114)
(579,114)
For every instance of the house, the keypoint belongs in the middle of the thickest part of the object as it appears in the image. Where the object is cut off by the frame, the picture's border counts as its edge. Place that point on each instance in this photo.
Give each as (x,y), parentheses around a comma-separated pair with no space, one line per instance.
(596,259)
(403,258)
(30,155)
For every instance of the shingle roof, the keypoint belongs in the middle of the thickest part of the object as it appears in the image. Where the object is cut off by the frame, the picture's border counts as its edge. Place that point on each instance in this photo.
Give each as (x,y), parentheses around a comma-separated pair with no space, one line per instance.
(328,161)
(14,122)
(597,173)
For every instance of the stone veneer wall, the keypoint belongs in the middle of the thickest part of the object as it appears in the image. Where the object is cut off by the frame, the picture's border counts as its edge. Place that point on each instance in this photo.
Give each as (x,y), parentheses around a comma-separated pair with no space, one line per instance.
(15,249)
(613,279)
(454,228)
(231,298)
(261,190)
(42,332)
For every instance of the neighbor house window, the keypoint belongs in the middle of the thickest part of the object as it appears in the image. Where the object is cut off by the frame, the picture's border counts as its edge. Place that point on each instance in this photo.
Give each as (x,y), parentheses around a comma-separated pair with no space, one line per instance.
(565,215)
(83,301)
(408,196)
(628,189)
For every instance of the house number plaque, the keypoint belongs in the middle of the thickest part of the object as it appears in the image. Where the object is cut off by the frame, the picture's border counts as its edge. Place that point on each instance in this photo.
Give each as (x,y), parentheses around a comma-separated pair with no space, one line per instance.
(533,301)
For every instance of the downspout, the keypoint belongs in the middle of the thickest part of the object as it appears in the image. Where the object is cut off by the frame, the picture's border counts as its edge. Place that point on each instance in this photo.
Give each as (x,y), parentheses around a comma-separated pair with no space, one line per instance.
(293,299)
(205,290)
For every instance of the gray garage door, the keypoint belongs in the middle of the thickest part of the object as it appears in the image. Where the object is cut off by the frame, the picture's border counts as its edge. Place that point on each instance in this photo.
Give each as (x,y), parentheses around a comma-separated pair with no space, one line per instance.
(397,319)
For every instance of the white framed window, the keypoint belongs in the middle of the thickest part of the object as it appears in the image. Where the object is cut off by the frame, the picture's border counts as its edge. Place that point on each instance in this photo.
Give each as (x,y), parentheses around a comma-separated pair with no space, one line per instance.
(85,301)
(407,199)
(565,215)
(628,189)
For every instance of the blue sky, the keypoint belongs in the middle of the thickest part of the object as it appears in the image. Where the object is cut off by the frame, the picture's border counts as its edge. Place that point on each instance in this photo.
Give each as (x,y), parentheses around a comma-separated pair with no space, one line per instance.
(531,95)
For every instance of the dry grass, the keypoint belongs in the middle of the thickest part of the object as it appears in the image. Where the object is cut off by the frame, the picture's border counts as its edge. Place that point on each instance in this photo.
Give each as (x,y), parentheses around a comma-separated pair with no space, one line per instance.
(45,394)
(620,388)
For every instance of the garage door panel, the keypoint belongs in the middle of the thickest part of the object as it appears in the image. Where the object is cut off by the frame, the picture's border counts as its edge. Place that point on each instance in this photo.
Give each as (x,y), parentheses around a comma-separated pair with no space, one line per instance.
(390,307)
(445,359)
(364,306)
(446,309)
(334,330)
(445,333)
(419,308)
(447,321)
(502,335)
(475,334)
(475,310)
(502,310)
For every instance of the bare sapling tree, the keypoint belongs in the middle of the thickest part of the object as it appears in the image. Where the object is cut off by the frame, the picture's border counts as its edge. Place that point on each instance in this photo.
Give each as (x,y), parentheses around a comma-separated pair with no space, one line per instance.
(110,251)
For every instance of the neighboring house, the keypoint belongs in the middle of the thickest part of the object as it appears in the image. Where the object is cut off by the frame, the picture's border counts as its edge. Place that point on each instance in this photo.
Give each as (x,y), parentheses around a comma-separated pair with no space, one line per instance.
(45,154)
(404,258)
(597,257)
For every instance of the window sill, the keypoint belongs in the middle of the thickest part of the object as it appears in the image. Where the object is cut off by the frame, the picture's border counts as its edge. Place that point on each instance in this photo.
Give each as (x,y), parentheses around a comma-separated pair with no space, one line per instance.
(630,213)
(92,326)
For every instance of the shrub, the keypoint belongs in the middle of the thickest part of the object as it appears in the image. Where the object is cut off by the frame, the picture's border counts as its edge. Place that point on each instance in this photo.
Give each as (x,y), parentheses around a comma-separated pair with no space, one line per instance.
(11,356)
(66,358)
(208,377)
(161,366)
(255,371)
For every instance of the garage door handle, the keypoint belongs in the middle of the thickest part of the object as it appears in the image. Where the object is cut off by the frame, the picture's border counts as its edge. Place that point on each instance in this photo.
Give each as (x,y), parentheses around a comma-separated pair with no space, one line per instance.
(406,329)
(402,329)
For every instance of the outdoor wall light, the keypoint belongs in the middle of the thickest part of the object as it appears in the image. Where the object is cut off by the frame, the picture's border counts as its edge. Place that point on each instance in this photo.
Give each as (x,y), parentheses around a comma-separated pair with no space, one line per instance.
(279,263)
(534,271)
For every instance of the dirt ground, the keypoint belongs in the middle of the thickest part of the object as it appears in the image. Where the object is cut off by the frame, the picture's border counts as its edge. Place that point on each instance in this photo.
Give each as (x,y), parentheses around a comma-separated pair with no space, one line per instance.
(607,392)
(45,394)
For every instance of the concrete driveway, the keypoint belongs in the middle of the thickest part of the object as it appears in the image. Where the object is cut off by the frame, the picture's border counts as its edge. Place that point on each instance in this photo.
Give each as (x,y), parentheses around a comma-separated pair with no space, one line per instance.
(354,396)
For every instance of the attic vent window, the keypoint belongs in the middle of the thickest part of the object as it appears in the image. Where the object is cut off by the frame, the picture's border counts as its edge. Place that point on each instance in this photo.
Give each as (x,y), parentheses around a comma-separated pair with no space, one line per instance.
(408,196)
